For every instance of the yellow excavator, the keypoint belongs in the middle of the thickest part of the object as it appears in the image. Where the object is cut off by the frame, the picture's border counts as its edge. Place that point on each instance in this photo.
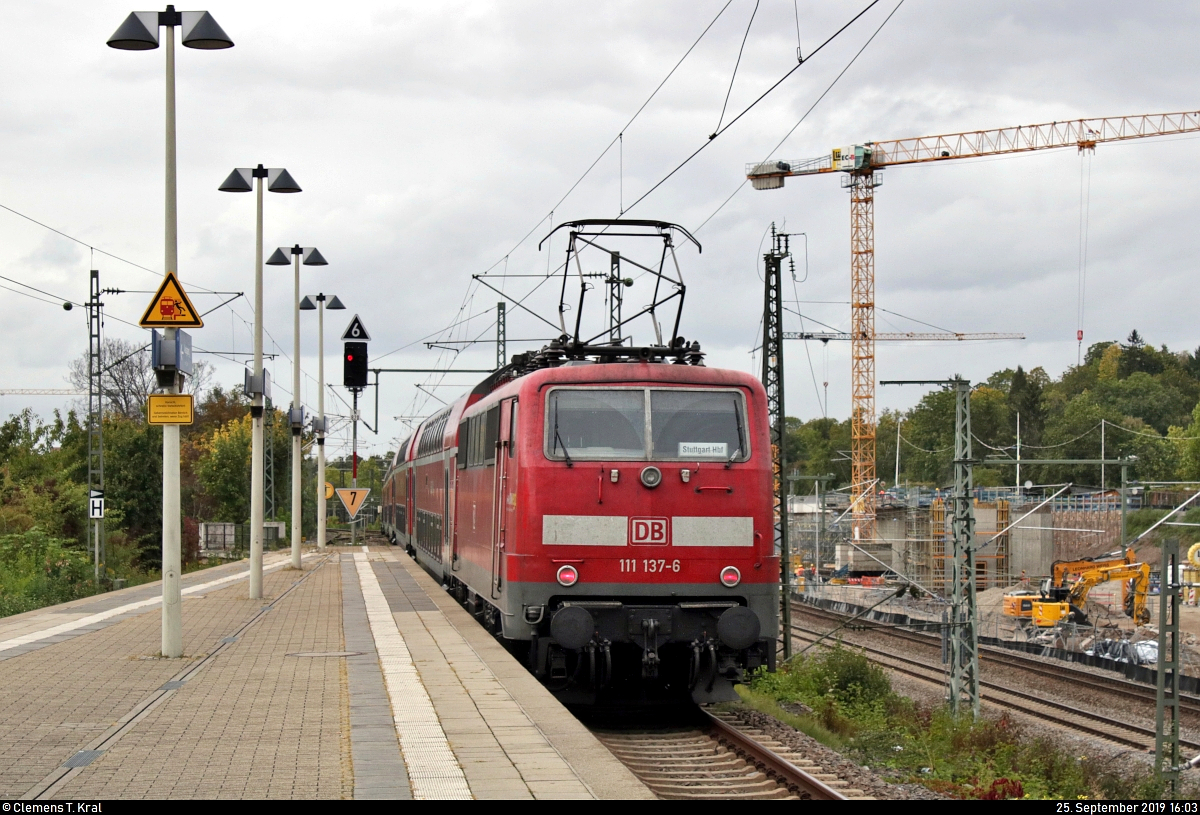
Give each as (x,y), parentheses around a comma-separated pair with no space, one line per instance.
(1063,595)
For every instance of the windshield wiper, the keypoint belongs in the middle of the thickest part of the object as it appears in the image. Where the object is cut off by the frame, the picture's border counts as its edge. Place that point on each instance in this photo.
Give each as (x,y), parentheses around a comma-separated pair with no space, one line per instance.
(737,418)
(558,440)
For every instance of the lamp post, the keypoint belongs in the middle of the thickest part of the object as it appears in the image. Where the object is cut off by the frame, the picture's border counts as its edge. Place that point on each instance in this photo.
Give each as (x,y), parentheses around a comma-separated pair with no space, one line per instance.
(247,179)
(139,32)
(310,257)
(319,425)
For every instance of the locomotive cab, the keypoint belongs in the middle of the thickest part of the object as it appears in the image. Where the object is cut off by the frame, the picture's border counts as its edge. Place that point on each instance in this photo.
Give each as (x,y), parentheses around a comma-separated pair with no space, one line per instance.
(649,499)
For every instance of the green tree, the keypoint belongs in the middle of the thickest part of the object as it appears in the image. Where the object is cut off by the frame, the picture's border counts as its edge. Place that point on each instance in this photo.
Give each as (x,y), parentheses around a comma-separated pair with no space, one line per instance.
(223,470)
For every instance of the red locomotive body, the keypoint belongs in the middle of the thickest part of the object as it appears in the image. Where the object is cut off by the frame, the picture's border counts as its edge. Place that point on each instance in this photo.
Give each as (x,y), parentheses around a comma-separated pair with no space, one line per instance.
(611,523)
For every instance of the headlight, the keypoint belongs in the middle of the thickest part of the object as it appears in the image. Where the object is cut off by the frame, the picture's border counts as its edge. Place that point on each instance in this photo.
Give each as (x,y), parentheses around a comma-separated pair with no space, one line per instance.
(651,477)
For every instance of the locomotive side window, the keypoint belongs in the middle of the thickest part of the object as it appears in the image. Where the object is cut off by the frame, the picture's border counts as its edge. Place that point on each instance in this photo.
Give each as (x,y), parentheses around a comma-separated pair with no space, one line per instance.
(697,425)
(512,429)
(608,424)
(477,438)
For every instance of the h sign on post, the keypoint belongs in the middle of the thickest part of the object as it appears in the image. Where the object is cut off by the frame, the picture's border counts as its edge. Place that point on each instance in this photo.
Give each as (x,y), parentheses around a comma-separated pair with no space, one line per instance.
(96,506)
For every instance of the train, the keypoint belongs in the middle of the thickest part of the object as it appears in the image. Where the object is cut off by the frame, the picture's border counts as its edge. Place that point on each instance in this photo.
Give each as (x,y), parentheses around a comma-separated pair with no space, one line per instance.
(606,512)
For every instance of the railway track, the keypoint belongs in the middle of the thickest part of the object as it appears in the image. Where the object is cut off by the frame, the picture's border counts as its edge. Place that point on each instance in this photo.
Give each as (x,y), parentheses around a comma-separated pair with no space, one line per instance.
(722,759)
(1189,705)
(1100,725)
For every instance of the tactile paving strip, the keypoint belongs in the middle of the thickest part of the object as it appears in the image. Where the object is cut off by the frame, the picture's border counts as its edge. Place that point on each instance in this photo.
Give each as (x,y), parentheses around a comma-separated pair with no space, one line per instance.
(433,770)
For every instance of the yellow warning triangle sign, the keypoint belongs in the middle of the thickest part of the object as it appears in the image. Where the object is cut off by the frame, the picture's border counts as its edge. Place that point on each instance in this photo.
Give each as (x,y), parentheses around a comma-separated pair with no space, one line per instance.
(171,307)
(352,499)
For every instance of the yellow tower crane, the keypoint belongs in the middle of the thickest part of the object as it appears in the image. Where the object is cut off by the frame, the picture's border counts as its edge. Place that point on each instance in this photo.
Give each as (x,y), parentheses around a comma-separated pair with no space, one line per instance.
(861,164)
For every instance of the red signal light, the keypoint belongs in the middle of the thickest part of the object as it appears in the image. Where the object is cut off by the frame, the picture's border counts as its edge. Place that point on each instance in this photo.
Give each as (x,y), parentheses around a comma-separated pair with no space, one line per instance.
(730,576)
(568,575)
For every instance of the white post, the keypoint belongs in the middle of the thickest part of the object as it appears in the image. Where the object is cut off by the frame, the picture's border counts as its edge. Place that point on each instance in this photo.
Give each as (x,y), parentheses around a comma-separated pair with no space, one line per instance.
(257,485)
(296,450)
(172,618)
(1018,454)
(321,422)
(896,482)
(1103,483)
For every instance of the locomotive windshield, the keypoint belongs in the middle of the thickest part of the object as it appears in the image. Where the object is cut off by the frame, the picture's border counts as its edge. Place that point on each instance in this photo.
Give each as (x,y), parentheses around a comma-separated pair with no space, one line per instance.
(591,423)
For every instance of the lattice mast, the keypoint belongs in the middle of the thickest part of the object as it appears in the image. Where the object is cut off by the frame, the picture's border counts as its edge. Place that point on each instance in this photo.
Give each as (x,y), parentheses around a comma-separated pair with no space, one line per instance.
(860,162)
(772,379)
(964,629)
(95,420)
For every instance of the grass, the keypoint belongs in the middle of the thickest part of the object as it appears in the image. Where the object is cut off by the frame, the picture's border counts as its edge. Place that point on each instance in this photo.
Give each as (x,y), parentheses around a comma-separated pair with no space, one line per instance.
(856,711)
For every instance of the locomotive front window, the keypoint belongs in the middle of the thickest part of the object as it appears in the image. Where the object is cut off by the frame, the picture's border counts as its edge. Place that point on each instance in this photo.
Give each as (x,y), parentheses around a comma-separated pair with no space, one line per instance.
(683,424)
(697,425)
(597,424)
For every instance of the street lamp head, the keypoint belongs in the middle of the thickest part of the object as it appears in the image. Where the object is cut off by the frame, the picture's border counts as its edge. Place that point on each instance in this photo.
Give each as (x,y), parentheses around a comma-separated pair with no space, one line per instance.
(307,304)
(334,303)
(313,258)
(201,31)
(280,257)
(239,181)
(139,32)
(280,180)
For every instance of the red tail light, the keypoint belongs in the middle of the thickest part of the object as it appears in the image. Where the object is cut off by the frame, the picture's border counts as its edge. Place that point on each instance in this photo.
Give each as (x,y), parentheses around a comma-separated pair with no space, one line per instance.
(730,577)
(569,575)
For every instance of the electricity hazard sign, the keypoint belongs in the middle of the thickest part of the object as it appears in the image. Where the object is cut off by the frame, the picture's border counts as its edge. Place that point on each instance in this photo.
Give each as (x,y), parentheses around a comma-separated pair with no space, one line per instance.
(171,307)
(352,499)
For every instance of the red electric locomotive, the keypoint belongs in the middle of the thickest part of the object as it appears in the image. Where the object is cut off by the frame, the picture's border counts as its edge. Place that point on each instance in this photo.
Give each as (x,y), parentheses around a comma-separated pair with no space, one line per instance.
(605,510)
(609,519)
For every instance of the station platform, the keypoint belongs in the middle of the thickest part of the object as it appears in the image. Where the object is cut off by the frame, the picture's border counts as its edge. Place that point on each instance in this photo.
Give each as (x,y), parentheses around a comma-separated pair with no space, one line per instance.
(356,677)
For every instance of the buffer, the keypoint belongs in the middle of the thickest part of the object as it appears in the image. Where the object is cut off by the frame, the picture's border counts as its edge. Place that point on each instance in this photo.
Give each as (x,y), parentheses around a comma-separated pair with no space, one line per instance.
(171,307)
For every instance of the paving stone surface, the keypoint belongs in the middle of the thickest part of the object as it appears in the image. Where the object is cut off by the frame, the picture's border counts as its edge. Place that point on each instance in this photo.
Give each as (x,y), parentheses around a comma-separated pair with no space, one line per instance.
(255,723)
(280,698)
(62,696)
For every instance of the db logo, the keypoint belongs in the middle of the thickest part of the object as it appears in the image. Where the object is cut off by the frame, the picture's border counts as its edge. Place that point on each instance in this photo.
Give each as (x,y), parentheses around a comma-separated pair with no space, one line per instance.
(649,531)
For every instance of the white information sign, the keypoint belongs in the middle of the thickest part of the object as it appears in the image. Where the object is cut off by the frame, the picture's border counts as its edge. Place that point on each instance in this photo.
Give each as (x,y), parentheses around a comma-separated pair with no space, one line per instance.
(695,449)
(96,508)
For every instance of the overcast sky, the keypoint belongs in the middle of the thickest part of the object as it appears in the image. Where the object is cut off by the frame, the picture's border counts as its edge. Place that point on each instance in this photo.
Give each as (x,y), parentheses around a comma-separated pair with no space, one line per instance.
(430,138)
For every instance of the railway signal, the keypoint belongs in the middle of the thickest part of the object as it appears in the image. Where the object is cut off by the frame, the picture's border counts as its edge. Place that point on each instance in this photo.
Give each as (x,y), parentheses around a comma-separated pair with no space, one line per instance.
(354,377)
(354,365)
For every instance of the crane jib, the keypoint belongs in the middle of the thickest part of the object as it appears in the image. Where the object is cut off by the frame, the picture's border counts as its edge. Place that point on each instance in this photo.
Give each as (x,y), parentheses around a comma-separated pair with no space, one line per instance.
(1079,133)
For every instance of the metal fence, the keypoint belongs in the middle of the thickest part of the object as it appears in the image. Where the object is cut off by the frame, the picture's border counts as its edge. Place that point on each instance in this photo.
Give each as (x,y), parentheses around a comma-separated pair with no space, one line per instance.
(233,540)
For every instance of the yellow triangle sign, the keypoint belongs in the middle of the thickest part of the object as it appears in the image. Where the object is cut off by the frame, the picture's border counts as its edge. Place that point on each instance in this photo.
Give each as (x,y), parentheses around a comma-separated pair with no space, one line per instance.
(352,499)
(171,307)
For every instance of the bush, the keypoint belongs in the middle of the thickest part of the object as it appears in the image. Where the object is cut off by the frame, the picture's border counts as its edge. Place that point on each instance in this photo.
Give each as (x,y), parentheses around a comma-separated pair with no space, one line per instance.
(846,690)
(39,570)
(989,758)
